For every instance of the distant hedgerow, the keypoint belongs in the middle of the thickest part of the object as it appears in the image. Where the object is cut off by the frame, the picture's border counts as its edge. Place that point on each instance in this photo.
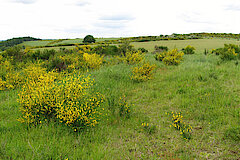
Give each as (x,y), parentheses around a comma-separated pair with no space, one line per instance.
(188,50)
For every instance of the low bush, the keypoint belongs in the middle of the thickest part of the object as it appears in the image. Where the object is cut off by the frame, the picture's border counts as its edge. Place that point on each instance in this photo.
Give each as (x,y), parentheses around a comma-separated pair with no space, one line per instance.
(92,61)
(106,50)
(160,56)
(228,52)
(172,57)
(126,47)
(16,52)
(143,72)
(131,57)
(159,49)
(56,63)
(70,101)
(143,50)
(188,50)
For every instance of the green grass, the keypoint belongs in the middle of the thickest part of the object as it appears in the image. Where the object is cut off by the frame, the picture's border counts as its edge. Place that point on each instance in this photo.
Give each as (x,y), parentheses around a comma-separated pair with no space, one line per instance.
(36,43)
(203,88)
(199,44)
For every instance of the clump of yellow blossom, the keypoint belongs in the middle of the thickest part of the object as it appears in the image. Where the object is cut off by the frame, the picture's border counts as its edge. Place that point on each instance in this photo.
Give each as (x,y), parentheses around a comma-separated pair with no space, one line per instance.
(177,122)
(143,72)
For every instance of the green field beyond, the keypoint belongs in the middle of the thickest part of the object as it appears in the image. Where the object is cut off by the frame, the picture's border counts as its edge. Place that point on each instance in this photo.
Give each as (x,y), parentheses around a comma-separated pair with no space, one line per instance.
(199,44)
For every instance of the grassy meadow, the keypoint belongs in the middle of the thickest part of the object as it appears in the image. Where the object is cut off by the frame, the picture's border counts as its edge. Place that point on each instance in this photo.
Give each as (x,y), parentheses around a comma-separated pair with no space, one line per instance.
(199,44)
(202,87)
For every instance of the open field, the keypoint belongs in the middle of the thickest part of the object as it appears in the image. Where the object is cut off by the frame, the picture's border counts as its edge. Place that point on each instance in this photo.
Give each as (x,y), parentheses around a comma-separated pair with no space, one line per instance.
(199,44)
(203,88)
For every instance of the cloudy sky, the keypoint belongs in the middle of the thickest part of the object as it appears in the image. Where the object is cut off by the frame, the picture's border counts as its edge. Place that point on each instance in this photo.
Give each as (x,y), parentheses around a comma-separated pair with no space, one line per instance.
(52,19)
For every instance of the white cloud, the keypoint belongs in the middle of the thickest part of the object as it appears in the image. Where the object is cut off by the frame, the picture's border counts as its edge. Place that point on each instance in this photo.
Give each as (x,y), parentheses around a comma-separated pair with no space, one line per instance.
(24,1)
(111,18)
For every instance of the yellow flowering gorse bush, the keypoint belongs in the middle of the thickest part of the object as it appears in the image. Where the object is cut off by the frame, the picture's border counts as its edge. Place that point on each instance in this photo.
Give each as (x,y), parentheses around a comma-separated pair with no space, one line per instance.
(229,54)
(131,57)
(92,61)
(69,101)
(143,72)
(76,105)
(9,78)
(37,95)
(172,57)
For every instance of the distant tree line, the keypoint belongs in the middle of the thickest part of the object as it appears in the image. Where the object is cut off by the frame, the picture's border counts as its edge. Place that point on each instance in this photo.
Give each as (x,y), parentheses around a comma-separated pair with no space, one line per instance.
(14,41)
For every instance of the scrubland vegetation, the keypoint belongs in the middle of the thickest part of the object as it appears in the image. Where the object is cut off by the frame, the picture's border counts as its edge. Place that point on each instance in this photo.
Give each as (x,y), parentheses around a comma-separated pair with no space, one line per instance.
(129,100)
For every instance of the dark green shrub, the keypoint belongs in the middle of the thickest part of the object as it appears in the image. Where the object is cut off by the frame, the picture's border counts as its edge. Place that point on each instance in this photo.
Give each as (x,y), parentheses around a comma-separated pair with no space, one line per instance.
(46,54)
(56,63)
(188,50)
(89,39)
(35,54)
(106,50)
(16,52)
(232,46)
(143,50)
(163,48)
(160,49)
(230,54)
(126,47)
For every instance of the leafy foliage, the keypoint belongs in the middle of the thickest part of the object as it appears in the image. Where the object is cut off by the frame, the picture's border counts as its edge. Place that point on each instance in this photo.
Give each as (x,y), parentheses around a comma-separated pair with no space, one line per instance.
(89,39)
(159,49)
(106,50)
(188,50)
(172,57)
(228,52)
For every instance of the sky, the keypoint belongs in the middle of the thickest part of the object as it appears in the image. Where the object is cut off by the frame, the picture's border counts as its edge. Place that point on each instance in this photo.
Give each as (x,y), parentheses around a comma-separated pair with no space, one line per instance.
(59,19)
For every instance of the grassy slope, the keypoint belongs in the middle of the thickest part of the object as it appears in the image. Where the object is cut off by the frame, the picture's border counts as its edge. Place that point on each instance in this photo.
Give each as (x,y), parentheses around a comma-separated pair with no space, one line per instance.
(36,43)
(68,41)
(205,91)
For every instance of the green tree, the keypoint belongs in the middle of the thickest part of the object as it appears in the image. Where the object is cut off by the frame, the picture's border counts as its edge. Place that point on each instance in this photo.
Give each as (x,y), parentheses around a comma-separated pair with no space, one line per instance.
(89,39)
